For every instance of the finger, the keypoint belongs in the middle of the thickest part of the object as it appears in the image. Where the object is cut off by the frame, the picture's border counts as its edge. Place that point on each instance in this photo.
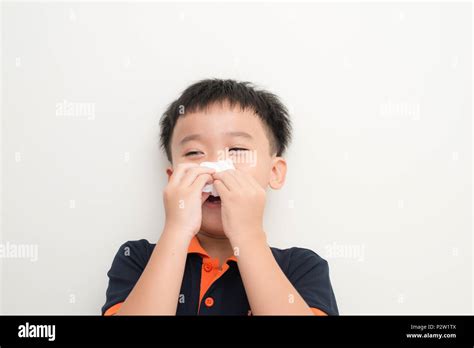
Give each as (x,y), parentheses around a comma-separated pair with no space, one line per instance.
(238,178)
(204,196)
(201,181)
(180,170)
(228,179)
(192,173)
(221,189)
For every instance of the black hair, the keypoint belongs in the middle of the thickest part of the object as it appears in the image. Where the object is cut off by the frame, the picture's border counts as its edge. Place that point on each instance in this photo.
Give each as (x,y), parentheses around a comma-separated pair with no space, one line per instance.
(205,93)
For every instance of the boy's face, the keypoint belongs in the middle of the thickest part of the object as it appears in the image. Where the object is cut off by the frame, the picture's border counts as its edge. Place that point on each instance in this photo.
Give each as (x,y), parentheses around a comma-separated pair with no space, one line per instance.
(222,132)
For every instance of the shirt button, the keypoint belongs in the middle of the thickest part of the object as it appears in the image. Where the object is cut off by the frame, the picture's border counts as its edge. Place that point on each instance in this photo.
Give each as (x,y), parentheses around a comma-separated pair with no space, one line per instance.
(208,267)
(209,302)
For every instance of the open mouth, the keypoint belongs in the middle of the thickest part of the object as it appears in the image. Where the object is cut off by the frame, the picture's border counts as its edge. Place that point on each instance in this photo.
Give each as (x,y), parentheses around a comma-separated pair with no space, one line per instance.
(213,200)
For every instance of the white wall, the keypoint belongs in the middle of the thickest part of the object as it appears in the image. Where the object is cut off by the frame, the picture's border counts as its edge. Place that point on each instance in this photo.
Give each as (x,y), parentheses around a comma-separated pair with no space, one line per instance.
(380,166)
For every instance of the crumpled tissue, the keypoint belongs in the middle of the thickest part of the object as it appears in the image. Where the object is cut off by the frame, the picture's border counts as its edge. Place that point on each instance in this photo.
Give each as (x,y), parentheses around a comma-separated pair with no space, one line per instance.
(219,166)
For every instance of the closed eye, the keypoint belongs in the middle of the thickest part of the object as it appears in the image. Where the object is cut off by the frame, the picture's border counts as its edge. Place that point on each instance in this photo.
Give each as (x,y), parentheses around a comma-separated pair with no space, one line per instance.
(193,153)
(238,149)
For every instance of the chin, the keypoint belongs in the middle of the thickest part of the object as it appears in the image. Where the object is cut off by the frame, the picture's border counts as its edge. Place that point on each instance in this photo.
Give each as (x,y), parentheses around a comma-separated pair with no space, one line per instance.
(212,223)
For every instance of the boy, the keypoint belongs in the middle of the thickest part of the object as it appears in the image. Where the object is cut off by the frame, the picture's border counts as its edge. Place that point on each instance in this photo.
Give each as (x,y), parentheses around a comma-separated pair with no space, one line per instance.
(212,257)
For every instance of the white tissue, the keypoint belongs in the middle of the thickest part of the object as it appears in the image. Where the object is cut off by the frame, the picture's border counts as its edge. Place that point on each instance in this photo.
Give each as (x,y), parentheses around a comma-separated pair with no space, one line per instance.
(219,166)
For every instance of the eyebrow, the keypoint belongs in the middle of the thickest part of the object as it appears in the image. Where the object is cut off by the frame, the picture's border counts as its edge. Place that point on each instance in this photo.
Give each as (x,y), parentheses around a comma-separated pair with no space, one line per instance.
(189,138)
(240,134)
(198,136)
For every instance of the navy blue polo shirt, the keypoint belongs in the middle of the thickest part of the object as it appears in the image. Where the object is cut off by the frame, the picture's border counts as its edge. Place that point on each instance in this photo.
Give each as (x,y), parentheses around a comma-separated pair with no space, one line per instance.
(207,289)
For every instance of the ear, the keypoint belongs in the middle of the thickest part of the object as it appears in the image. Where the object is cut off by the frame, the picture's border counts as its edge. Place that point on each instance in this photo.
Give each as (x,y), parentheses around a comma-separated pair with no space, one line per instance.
(169,172)
(278,173)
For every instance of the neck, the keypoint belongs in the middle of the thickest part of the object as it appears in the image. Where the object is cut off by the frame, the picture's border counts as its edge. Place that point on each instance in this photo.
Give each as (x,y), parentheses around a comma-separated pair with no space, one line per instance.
(216,246)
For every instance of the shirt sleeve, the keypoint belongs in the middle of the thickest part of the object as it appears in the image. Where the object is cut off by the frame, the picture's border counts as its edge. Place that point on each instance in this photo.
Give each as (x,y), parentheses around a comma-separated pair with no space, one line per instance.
(126,269)
(309,274)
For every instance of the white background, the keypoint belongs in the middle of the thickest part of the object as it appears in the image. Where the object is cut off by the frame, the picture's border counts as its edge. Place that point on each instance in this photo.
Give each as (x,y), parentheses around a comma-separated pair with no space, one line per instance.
(380,165)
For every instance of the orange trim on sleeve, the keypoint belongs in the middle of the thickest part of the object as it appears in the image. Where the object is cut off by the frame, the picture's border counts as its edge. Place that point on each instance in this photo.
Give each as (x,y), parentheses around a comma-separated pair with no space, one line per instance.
(317,311)
(114,309)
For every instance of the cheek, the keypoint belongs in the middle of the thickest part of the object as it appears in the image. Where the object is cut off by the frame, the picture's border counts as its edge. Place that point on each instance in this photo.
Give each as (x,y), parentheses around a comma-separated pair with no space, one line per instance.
(179,161)
(258,172)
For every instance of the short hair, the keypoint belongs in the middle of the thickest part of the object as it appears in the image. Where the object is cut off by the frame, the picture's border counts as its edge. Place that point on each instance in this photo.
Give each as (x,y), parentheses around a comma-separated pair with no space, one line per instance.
(202,94)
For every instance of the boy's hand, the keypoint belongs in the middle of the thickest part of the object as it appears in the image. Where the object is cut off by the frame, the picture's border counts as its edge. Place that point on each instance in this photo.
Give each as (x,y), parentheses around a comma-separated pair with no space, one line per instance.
(242,205)
(183,198)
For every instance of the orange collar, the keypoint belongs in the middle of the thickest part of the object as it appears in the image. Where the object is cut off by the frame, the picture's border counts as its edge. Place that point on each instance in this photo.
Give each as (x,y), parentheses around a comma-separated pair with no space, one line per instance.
(195,247)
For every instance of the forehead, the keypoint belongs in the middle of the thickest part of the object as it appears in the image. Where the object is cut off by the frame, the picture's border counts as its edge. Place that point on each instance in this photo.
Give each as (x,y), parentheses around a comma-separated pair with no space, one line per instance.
(217,120)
